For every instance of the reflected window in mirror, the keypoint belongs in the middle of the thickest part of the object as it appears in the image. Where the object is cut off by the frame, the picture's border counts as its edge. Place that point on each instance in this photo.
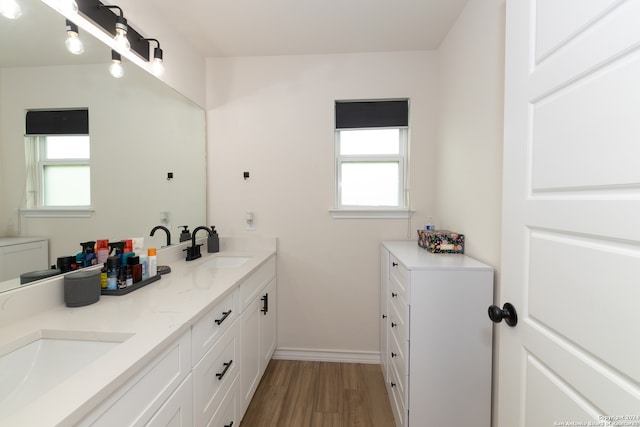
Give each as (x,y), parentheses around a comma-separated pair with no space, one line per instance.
(57,153)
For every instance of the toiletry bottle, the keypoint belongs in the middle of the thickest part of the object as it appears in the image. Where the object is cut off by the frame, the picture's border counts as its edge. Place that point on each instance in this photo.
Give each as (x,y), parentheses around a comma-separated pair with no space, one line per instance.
(102,250)
(144,262)
(185,234)
(136,268)
(213,241)
(152,266)
(103,277)
(429,225)
(90,258)
(128,276)
(113,271)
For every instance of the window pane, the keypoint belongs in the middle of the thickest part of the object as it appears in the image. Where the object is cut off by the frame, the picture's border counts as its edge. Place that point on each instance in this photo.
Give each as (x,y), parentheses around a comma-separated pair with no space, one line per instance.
(67,185)
(369,184)
(369,141)
(67,147)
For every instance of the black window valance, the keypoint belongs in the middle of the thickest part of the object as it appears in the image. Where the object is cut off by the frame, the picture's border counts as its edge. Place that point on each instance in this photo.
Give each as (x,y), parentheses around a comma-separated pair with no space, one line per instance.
(57,122)
(368,114)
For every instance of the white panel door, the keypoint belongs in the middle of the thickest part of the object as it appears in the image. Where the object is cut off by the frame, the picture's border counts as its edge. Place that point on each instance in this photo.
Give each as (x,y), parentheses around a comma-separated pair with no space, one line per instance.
(571,215)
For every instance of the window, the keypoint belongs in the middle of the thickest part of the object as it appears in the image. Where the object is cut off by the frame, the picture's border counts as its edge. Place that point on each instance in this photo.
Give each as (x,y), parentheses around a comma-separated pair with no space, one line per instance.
(58,159)
(371,140)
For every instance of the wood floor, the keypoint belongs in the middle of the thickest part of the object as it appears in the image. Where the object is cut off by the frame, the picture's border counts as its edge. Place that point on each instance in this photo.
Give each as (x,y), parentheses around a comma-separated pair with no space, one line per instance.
(320,394)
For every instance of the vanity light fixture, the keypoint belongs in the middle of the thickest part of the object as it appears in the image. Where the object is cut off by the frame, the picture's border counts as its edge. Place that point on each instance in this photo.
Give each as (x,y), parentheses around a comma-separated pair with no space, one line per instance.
(122,42)
(10,9)
(157,66)
(73,42)
(116,68)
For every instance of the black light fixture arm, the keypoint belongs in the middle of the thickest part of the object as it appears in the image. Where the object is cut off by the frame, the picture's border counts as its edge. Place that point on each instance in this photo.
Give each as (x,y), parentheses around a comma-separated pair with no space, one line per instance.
(107,6)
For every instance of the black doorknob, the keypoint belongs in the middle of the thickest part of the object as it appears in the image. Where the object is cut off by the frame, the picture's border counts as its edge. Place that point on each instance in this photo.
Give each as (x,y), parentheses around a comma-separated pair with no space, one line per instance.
(507,312)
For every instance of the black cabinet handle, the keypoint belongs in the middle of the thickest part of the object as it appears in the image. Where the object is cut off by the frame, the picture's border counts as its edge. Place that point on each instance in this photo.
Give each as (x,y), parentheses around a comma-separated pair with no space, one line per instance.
(225,314)
(393,325)
(224,371)
(393,295)
(393,354)
(229,425)
(265,305)
(384,316)
(394,264)
(393,384)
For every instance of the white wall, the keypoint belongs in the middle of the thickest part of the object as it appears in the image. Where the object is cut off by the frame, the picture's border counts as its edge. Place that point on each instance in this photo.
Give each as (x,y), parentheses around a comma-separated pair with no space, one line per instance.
(470,109)
(273,117)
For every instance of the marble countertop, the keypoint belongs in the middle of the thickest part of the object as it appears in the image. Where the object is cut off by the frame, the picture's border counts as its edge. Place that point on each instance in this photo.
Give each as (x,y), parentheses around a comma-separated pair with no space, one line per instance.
(154,316)
(416,258)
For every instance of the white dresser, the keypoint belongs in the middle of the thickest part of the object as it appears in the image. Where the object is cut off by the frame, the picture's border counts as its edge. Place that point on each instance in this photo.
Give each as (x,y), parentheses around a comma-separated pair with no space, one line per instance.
(435,336)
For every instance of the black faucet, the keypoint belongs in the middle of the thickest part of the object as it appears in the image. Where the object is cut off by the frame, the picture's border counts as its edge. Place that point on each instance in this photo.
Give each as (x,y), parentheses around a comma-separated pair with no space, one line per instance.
(165,229)
(193,252)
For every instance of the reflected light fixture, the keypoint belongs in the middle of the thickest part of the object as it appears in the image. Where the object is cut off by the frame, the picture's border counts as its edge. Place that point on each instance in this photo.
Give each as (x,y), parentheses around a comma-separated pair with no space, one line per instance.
(73,42)
(122,42)
(116,68)
(10,9)
(157,66)
(67,6)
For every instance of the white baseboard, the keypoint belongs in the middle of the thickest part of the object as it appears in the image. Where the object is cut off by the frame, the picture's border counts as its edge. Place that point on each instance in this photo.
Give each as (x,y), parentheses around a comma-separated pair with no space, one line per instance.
(321,355)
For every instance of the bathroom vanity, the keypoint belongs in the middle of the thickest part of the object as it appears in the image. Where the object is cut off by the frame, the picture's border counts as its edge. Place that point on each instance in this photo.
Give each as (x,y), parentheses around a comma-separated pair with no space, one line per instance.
(187,349)
(435,337)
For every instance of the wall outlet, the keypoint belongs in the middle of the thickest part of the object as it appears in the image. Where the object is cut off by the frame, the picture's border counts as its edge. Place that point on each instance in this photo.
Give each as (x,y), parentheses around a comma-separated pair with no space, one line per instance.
(165,219)
(251,221)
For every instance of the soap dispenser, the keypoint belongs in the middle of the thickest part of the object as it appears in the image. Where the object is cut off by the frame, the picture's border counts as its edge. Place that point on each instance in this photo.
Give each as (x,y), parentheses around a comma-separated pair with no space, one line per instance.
(213,241)
(185,234)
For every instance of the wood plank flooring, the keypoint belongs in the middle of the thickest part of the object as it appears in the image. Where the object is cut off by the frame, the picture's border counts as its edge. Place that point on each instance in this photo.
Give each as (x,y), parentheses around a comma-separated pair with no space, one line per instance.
(320,394)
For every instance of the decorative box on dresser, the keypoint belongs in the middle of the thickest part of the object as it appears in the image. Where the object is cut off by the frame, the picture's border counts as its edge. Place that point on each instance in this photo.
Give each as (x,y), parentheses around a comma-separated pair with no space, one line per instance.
(435,337)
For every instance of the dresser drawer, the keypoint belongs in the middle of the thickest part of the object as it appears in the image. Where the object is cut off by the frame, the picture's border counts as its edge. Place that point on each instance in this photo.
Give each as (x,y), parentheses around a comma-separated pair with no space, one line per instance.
(399,320)
(397,405)
(210,328)
(399,286)
(214,374)
(398,270)
(399,357)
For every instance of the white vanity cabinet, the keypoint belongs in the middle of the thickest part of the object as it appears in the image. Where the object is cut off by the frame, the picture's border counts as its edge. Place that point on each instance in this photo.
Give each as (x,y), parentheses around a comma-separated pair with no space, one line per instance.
(257,327)
(436,341)
(160,392)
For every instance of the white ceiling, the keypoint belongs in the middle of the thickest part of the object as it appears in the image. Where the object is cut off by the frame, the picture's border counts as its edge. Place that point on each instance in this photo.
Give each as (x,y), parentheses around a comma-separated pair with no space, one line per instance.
(291,27)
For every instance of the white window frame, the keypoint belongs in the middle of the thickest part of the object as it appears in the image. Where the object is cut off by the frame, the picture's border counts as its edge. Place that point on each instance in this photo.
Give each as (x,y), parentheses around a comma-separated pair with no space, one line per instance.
(37,208)
(350,211)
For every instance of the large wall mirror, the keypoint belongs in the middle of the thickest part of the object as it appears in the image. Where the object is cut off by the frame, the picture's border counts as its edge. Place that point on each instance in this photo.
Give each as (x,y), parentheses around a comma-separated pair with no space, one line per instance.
(140,131)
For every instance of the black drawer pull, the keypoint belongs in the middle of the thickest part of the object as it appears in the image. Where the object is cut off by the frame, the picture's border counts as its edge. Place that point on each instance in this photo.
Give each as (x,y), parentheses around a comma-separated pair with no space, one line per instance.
(393,354)
(225,314)
(394,264)
(224,371)
(384,316)
(265,303)
(393,325)
(229,425)
(394,295)
(393,384)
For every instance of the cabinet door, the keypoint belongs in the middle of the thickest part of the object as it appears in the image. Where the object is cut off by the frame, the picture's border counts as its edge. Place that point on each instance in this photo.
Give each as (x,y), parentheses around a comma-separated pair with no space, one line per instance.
(250,350)
(177,411)
(268,325)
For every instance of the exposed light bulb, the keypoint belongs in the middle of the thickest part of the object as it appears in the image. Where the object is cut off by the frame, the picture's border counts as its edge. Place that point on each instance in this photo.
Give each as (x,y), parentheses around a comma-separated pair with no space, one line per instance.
(157,66)
(67,6)
(73,42)
(116,68)
(122,42)
(10,9)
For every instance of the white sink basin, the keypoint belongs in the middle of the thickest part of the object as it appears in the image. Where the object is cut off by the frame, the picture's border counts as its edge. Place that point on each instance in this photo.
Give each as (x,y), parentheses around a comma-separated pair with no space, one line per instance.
(228,261)
(44,360)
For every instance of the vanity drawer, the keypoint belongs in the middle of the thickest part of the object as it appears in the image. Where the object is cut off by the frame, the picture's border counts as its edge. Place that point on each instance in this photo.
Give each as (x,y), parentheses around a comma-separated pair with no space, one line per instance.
(252,286)
(397,405)
(210,328)
(214,374)
(228,413)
